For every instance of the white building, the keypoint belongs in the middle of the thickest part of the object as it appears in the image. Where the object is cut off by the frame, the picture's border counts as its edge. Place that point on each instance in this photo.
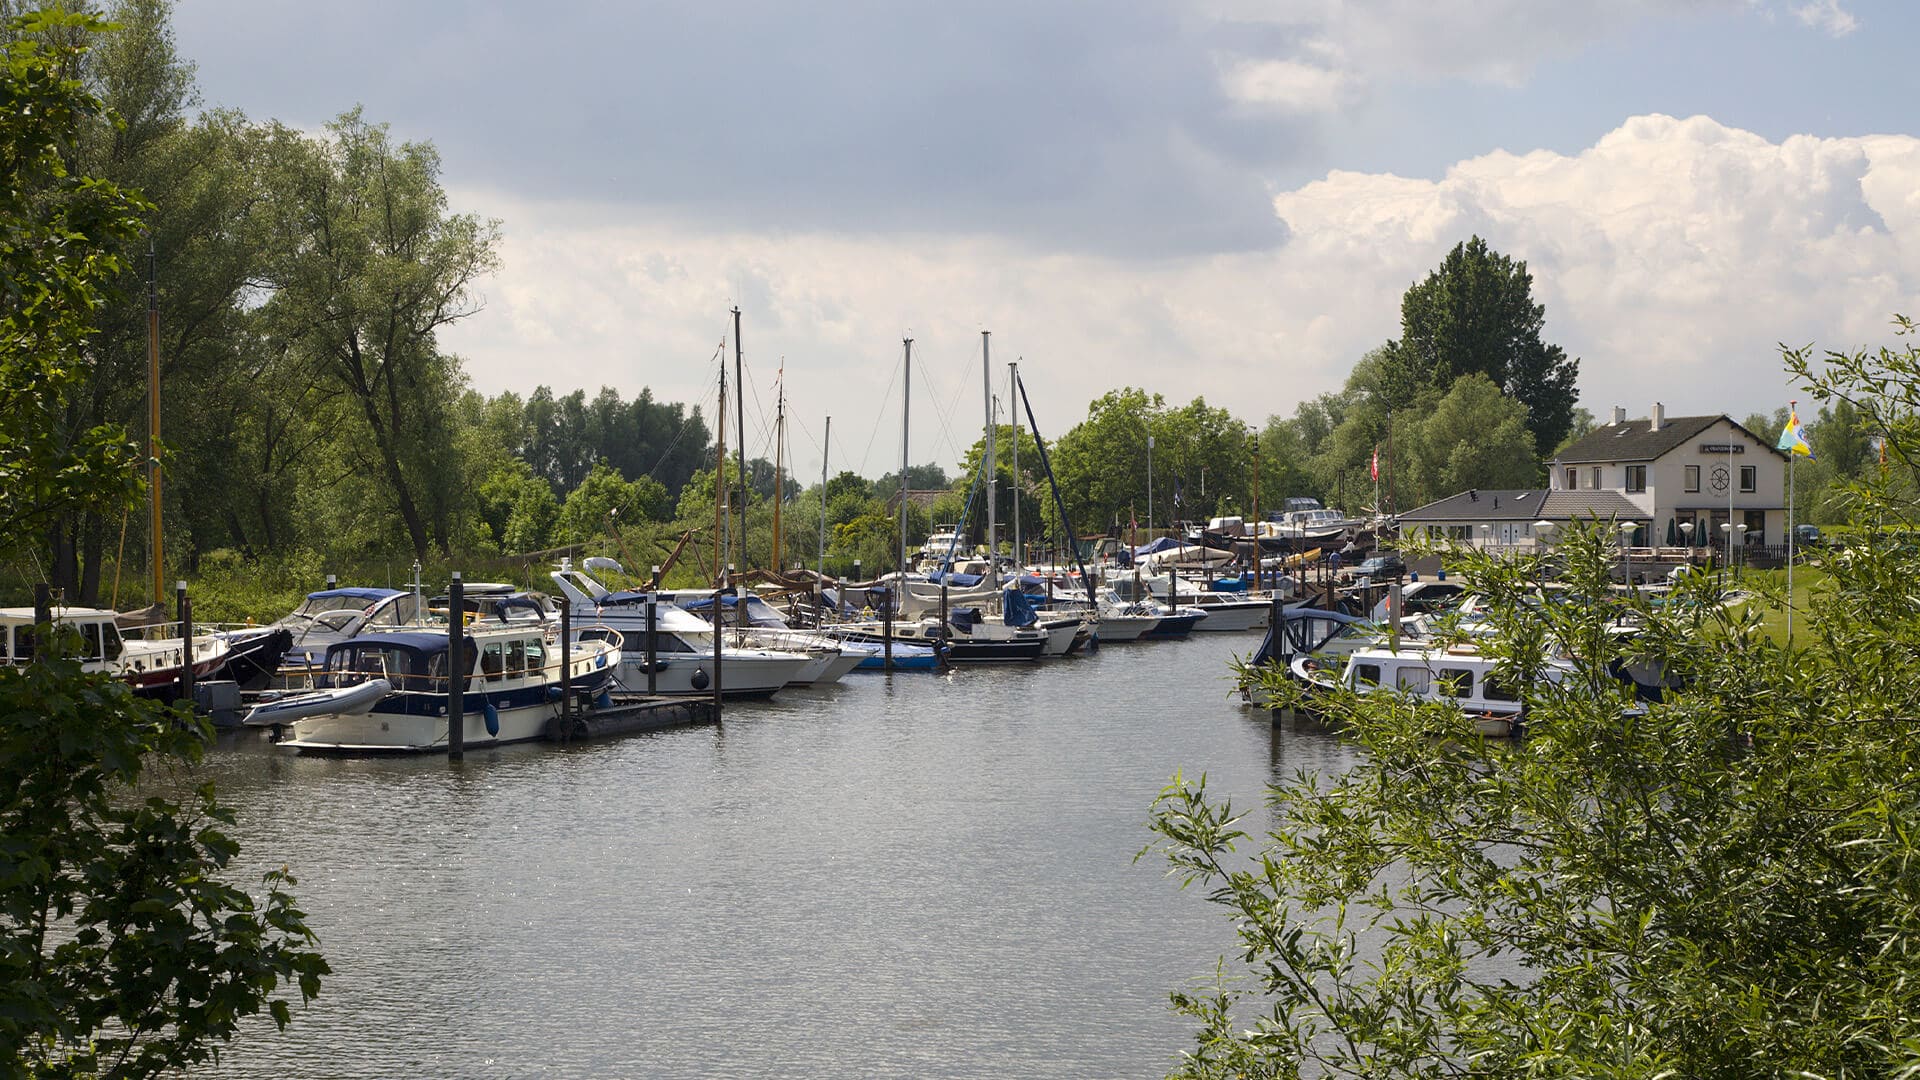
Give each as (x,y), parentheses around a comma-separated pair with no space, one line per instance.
(1659,472)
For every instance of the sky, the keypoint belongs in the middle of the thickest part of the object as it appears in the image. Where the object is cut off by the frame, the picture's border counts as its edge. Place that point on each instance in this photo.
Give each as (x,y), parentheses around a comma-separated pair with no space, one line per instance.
(1218,198)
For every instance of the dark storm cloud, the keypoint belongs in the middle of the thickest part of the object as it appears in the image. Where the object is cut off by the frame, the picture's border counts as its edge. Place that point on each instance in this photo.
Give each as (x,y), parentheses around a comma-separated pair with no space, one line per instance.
(1098,127)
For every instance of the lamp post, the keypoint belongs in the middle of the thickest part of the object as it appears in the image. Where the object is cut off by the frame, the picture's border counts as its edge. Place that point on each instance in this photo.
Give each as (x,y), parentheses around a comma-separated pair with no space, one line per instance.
(1726,530)
(1486,536)
(1627,529)
(1542,537)
(1741,530)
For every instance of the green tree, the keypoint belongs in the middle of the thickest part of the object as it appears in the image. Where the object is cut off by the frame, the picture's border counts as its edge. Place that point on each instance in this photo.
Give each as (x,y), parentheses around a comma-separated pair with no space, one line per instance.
(62,241)
(368,266)
(1475,437)
(604,501)
(1476,314)
(122,952)
(1718,884)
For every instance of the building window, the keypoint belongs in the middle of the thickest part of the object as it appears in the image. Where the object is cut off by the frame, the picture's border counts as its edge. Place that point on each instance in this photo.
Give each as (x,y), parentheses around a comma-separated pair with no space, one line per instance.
(1749,478)
(1596,478)
(1573,479)
(1636,478)
(1693,478)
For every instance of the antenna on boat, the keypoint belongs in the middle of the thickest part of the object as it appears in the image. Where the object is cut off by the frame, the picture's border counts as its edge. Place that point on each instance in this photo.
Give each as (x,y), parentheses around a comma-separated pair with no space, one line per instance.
(419,604)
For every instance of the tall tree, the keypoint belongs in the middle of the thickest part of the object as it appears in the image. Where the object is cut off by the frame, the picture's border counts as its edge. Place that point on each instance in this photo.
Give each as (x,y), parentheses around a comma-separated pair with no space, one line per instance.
(1476,314)
(122,951)
(369,265)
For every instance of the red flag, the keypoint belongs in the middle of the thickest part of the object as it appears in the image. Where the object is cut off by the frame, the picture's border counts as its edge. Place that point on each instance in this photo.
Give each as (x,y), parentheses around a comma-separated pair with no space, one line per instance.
(1373,470)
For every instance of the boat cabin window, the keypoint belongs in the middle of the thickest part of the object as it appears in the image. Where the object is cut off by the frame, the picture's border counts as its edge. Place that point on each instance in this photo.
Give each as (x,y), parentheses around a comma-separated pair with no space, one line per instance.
(1366,674)
(493,661)
(90,636)
(516,658)
(536,655)
(404,610)
(351,667)
(1497,691)
(1416,679)
(1456,682)
(437,669)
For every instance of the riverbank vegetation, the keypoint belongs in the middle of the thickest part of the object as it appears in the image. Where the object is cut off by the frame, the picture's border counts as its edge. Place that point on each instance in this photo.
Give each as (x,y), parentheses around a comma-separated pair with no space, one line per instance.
(1718,884)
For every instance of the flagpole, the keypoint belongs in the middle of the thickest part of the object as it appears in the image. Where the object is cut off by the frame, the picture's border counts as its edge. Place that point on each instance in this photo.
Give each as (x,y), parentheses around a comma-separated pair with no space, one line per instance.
(1793,417)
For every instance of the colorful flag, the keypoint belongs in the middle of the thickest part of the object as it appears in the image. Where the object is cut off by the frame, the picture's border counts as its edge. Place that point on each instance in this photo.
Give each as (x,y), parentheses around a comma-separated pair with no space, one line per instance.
(1792,439)
(1373,470)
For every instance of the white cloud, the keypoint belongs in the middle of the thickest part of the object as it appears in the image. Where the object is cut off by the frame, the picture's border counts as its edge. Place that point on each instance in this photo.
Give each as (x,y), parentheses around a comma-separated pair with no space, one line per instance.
(1290,85)
(1827,15)
(1672,256)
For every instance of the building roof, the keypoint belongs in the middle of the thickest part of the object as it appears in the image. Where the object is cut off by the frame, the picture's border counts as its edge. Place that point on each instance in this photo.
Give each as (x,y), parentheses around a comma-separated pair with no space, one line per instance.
(1481,505)
(1527,505)
(1636,440)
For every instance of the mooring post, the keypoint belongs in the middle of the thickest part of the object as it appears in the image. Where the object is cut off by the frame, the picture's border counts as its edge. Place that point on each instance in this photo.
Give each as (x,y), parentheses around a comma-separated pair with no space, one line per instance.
(566,668)
(330,582)
(886,626)
(719,630)
(185,609)
(653,599)
(940,643)
(457,669)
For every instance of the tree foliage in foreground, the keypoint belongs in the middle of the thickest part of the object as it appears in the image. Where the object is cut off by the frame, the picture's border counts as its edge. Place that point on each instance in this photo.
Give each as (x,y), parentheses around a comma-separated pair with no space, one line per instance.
(1721,884)
(123,953)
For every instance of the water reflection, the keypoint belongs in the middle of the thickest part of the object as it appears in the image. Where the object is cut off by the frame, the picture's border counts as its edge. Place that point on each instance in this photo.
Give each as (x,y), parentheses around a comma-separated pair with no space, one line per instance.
(902,876)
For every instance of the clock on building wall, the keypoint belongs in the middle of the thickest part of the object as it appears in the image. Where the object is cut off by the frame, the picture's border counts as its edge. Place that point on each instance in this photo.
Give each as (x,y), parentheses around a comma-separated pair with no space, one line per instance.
(1719,478)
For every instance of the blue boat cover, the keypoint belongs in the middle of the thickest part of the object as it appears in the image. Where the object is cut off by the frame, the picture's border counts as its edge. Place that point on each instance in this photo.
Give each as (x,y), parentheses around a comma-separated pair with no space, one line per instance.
(964,619)
(1229,584)
(354,593)
(957,580)
(1164,543)
(1017,609)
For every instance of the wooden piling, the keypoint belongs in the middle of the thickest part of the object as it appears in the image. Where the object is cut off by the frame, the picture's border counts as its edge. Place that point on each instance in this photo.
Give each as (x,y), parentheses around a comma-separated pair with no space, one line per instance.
(566,666)
(185,609)
(456,668)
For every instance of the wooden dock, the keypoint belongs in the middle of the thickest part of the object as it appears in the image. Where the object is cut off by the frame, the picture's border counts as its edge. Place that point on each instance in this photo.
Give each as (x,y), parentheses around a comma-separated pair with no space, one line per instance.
(631,714)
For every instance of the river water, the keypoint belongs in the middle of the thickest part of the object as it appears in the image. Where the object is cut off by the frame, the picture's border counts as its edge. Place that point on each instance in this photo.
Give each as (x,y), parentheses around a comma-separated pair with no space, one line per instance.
(912,875)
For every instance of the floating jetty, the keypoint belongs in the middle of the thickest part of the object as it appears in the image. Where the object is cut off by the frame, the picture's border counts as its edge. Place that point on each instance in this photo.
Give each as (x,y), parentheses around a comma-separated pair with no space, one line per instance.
(630,714)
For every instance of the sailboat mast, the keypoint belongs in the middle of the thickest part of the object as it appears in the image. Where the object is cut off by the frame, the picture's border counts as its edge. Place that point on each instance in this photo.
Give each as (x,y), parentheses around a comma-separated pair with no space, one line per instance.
(906,405)
(779,489)
(1013,380)
(721,519)
(153,424)
(740,429)
(988,460)
(826,443)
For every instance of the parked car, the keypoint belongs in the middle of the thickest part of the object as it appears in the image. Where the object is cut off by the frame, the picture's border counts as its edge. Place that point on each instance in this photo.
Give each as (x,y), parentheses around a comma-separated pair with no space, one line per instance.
(1806,536)
(1385,564)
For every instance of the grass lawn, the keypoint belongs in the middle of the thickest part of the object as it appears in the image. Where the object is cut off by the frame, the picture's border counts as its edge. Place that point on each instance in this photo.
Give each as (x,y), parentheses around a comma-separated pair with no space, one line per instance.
(1773,617)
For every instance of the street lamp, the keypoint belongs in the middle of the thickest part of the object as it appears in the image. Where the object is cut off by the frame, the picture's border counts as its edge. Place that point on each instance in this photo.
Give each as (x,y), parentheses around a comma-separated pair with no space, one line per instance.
(1543,536)
(1627,529)
(1726,530)
(1486,535)
(1742,530)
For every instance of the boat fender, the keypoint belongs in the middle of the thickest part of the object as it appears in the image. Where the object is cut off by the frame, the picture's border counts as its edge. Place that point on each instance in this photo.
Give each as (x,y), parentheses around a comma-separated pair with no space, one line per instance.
(553,693)
(493,717)
(604,701)
(700,680)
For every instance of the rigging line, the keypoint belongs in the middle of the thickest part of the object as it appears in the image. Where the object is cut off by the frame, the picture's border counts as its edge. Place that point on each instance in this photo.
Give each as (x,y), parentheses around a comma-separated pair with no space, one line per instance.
(959,387)
(712,393)
(884,402)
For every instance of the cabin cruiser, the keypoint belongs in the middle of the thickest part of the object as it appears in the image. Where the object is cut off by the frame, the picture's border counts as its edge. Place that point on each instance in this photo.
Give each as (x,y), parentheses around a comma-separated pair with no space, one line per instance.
(751,621)
(387,691)
(681,652)
(1328,636)
(151,665)
(1226,611)
(1459,675)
